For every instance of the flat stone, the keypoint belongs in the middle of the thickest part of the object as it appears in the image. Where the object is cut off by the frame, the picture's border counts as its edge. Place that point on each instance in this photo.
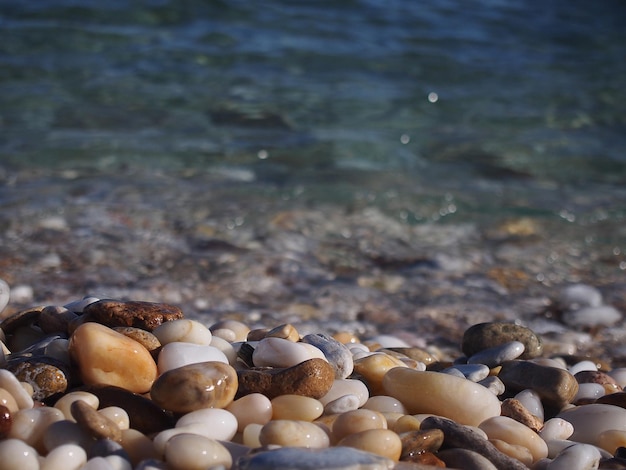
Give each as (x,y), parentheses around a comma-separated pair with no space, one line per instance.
(312,378)
(556,387)
(333,458)
(93,423)
(458,436)
(491,334)
(144,315)
(337,354)
(209,384)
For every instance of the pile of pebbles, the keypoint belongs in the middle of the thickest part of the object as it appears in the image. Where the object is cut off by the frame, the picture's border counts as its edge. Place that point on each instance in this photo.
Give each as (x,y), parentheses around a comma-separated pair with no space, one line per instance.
(103,384)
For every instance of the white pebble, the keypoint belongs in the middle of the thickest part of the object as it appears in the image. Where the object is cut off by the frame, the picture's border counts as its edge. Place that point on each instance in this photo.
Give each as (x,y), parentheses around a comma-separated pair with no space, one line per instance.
(583,366)
(556,429)
(17,455)
(251,435)
(220,424)
(65,457)
(279,352)
(576,296)
(226,348)
(30,425)
(251,408)
(473,372)
(590,421)
(118,415)
(385,404)
(65,402)
(343,387)
(589,391)
(576,457)
(358,348)
(496,355)
(77,306)
(9,382)
(22,294)
(183,330)
(177,354)
(342,405)
(493,384)
(531,401)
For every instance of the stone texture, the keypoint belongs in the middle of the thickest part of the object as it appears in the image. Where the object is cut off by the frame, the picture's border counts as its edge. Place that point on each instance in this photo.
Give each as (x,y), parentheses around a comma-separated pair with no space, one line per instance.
(514,409)
(312,378)
(143,337)
(491,334)
(420,441)
(93,423)
(47,376)
(337,354)
(144,315)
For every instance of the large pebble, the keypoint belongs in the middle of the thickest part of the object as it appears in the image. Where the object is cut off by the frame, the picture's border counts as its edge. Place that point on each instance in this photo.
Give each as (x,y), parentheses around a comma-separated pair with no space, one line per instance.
(337,354)
(556,387)
(312,378)
(280,352)
(491,334)
(177,354)
(445,395)
(381,442)
(194,452)
(515,433)
(195,386)
(291,433)
(333,458)
(183,330)
(496,355)
(144,315)
(17,455)
(590,421)
(107,357)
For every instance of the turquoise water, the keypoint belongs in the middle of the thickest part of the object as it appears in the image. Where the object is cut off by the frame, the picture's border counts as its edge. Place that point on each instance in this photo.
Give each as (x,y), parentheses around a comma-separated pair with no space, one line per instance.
(443,109)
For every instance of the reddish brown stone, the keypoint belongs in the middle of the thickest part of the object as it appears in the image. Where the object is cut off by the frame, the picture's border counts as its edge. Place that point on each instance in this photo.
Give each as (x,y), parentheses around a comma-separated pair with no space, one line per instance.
(6,420)
(144,315)
(514,409)
(416,443)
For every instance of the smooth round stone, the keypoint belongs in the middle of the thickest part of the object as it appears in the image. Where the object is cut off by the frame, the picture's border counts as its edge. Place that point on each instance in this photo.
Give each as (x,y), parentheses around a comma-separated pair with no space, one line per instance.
(221,424)
(333,458)
(381,442)
(508,430)
(441,394)
(29,425)
(583,366)
(577,456)
(515,451)
(556,429)
(117,415)
(532,402)
(107,357)
(138,446)
(250,435)
(143,337)
(280,352)
(9,382)
(193,452)
(296,407)
(590,421)
(195,386)
(357,421)
(17,455)
(556,387)
(139,314)
(65,457)
(491,334)
(342,404)
(252,408)
(65,402)
(7,400)
(385,404)
(93,423)
(226,348)
(183,330)
(65,432)
(337,354)
(240,329)
(46,375)
(177,354)
(290,433)
(286,331)
(576,296)
(343,387)
(589,392)
(492,357)
(406,423)
(603,315)
(374,367)
(473,372)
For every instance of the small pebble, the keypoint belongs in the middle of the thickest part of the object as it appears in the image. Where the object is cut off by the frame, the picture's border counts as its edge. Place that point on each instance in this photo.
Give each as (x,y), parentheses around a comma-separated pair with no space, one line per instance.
(473,372)
(342,404)
(374,367)
(343,387)
(556,429)
(513,408)
(493,384)
(240,329)
(588,392)
(193,452)
(296,407)
(29,425)
(139,314)
(65,457)
(177,354)
(285,331)
(290,433)
(496,355)
(385,404)
(381,442)
(280,352)
(576,296)
(93,423)
(183,330)
(220,424)
(356,421)
(515,433)
(336,353)
(252,408)
(578,457)
(492,334)
(531,400)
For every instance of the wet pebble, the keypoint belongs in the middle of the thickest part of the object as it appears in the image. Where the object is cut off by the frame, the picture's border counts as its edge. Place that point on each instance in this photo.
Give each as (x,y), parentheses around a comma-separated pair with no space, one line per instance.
(292,433)
(252,408)
(492,334)
(47,376)
(280,352)
(15,454)
(65,457)
(177,354)
(515,433)
(420,441)
(296,407)
(336,353)
(194,452)
(183,330)
(144,315)
(93,423)
(496,355)
(381,442)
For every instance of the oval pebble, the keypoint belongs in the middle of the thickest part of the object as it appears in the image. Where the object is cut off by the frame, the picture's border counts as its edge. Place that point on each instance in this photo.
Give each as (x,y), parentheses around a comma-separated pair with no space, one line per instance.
(482,336)
(577,456)
(289,433)
(193,452)
(576,296)
(342,387)
(280,352)
(381,442)
(221,424)
(337,354)
(252,408)
(342,404)
(30,425)
(138,446)
(296,407)
(556,429)
(441,394)
(385,404)
(12,385)
(496,355)
(589,392)
(17,455)
(183,330)
(473,372)
(508,430)
(356,421)
(583,366)
(117,415)
(532,402)
(374,367)
(65,402)
(65,457)
(590,421)
(177,354)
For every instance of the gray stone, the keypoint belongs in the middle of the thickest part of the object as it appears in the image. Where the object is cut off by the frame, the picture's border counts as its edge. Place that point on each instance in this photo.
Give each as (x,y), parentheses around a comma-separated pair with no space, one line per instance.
(491,334)
(337,354)
(465,459)
(496,355)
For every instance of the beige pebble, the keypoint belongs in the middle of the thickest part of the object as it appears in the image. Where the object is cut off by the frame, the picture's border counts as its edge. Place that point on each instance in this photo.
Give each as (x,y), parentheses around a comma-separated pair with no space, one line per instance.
(279,352)
(515,433)
(290,433)
(138,446)
(117,415)
(296,407)
(29,425)
(193,452)
(384,403)
(240,329)
(225,334)
(107,357)
(590,421)
(253,408)
(65,457)
(226,348)
(220,424)
(342,387)
(382,442)
(611,439)
(250,435)
(346,337)
(7,400)
(516,451)
(556,428)
(356,421)
(406,423)
(374,367)
(183,330)
(160,440)
(65,402)
(9,382)
(285,331)
(17,455)
(441,394)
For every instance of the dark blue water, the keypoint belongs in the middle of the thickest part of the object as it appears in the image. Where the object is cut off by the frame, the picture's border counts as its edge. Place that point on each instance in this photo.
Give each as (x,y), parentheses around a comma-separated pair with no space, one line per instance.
(471,110)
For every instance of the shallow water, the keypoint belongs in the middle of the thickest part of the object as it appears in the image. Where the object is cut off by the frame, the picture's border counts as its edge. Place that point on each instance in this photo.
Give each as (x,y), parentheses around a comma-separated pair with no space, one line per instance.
(375,163)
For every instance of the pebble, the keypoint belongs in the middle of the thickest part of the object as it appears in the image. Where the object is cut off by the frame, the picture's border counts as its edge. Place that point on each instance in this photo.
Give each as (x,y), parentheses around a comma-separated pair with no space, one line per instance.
(144,315)
(583,366)
(373,369)
(515,433)
(239,329)
(195,386)
(514,409)
(177,354)
(385,404)
(106,447)
(576,296)
(183,330)
(78,306)
(473,372)
(465,459)
(514,451)
(531,401)
(106,357)
(576,457)
(193,452)
(556,387)
(138,446)
(587,317)
(493,384)
(143,337)
(220,424)
(280,352)
(285,331)
(65,432)
(381,442)
(420,441)
(333,458)
(29,425)
(590,421)
(417,354)
(556,429)
(7,400)
(312,378)
(336,353)
(343,387)
(296,407)
(65,457)
(492,334)
(441,394)
(496,355)
(118,415)
(356,421)
(53,319)
(588,392)
(93,423)
(291,433)
(15,454)
(252,408)
(9,382)
(47,376)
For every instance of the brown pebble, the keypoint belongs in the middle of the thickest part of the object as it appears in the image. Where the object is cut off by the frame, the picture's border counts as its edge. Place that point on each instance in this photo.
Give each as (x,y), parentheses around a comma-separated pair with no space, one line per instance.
(425,460)
(617,399)
(54,319)
(285,331)
(420,442)
(513,408)
(144,315)
(46,375)
(312,378)
(20,319)
(487,335)
(5,422)
(93,423)
(257,334)
(594,377)
(143,337)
